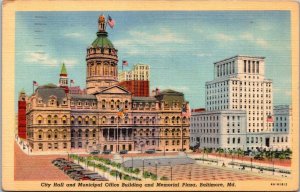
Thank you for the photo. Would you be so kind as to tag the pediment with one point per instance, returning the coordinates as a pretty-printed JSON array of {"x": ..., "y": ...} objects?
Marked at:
[{"x": 114, "y": 90}]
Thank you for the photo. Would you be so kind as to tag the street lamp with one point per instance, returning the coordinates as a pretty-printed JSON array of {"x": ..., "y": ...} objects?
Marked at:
[
  {"x": 171, "y": 169},
  {"x": 143, "y": 166}
]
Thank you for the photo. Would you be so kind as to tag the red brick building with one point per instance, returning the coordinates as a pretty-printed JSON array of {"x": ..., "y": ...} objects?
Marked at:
[
  {"x": 138, "y": 88},
  {"x": 22, "y": 115}
]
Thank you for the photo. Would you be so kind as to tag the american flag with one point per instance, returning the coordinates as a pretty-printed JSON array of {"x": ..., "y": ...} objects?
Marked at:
[
  {"x": 269, "y": 119},
  {"x": 110, "y": 22},
  {"x": 35, "y": 83},
  {"x": 121, "y": 112},
  {"x": 124, "y": 63}
]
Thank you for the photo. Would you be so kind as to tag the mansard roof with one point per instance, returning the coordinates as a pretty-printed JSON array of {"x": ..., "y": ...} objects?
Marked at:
[
  {"x": 46, "y": 91},
  {"x": 144, "y": 99},
  {"x": 83, "y": 97}
]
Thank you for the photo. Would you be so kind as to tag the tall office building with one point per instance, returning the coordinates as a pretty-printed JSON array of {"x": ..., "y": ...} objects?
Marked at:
[
  {"x": 239, "y": 107},
  {"x": 136, "y": 80},
  {"x": 240, "y": 84}
]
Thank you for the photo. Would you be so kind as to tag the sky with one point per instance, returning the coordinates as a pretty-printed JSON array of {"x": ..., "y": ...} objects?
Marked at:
[{"x": 180, "y": 47}]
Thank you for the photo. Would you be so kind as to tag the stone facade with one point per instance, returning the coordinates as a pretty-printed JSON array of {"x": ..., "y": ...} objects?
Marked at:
[{"x": 58, "y": 120}]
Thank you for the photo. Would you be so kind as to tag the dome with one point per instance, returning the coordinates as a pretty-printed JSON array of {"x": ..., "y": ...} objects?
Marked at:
[{"x": 102, "y": 41}]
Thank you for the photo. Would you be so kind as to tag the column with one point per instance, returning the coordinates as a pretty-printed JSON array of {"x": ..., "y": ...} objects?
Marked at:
[
  {"x": 121, "y": 135},
  {"x": 107, "y": 134},
  {"x": 114, "y": 134}
]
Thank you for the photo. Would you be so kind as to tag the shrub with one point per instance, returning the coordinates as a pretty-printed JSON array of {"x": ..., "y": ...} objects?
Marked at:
[
  {"x": 164, "y": 178},
  {"x": 127, "y": 177}
]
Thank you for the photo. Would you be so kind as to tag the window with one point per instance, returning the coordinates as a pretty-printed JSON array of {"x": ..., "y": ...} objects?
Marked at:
[
  {"x": 64, "y": 119},
  {"x": 72, "y": 120},
  {"x": 40, "y": 119},
  {"x": 79, "y": 120}
]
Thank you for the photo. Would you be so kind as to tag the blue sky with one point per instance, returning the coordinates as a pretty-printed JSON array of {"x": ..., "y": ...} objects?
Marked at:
[{"x": 180, "y": 47}]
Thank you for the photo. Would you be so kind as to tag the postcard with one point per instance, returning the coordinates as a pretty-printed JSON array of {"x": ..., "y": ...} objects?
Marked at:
[{"x": 150, "y": 95}]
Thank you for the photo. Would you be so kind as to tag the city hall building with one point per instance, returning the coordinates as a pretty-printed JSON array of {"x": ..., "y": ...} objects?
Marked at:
[
  {"x": 239, "y": 109},
  {"x": 57, "y": 120}
]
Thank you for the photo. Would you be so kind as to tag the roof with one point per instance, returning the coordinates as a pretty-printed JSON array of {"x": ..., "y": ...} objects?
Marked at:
[
  {"x": 63, "y": 70},
  {"x": 46, "y": 91},
  {"x": 102, "y": 41},
  {"x": 170, "y": 92},
  {"x": 143, "y": 99},
  {"x": 83, "y": 97}
]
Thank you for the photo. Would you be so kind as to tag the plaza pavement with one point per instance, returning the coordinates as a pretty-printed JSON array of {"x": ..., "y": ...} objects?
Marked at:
[{"x": 37, "y": 167}]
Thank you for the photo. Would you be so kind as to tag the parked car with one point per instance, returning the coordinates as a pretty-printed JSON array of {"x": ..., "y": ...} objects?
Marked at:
[
  {"x": 95, "y": 152},
  {"x": 123, "y": 152},
  {"x": 106, "y": 152},
  {"x": 150, "y": 151}
]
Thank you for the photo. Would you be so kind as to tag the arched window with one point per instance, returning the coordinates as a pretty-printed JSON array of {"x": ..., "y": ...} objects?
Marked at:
[
  {"x": 55, "y": 134},
  {"x": 94, "y": 132},
  {"x": 86, "y": 120},
  {"x": 64, "y": 119},
  {"x": 39, "y": 119},
  {"x": 184, "y": 120},
  {"x": 134, "y": 120},
  {"x": 73, "y": 133},
  {"x": 55, "y": 119},
  {"x": 49, "y": 119},
  {"x": 79, "y": 133},
  {"x": 141, "y": 120},
  {"x": 147, "y": 120},
  {"x": 178, "y": 120},
  {"x": 166, "y": 120},
  {"x": 126, "y": 104},
  {"x": 153, "y": 120},
  {"x": 40, "y": 146},
  {"x": 94, "y": 120},
  {"x": 103, "y": 120},
  {"x": 40, "y": 134},
  {"x": 49, "y": 134},
  {"x": 118, "y": 104},
  {"x": 86, "y": 133},
  {"x": 112, "y": 120},
  {"x": 173, "y": 120},
  {"x": 79, "y": 119},
  {"x": 166, "y": 132},
  {"x": 64, "y": 134},
  {"x": 72, "y": 120},
  {"x": 126, "y": 120},
  {"x": 112, "y": 104},
  {"x": 103, "y": 104}
]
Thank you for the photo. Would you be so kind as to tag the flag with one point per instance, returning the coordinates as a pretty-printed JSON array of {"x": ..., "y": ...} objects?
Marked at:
[
  {"x": 72, "y": 81},
  {"x": 124, "y": 63},
  {"x": 122, "y": 113},
  {"x": 110, "y": 22},
  {"x": 35, "y": 83},
  {"x": 269, "y": 119}
]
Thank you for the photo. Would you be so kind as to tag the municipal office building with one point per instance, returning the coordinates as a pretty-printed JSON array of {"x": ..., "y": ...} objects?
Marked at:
[{"x": 55, "y": 119}]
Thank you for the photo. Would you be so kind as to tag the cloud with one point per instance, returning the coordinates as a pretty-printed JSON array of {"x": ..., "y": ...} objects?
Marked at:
[
  {"x": 223, "y": 37},
  {"x": 73, "y": 35},
  {"x": 250, "y": 37},
  {"x": 203, "y": 54},
  {"x": 139, "y": 43},
  {"x": 44, "y": 59}
]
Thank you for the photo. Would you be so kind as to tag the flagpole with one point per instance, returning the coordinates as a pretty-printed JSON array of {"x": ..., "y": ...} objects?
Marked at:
[
  {"x": 32, "y": 88},
  {"x": 181, "y": 132},
  {"x": 117, "y": 134}
]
